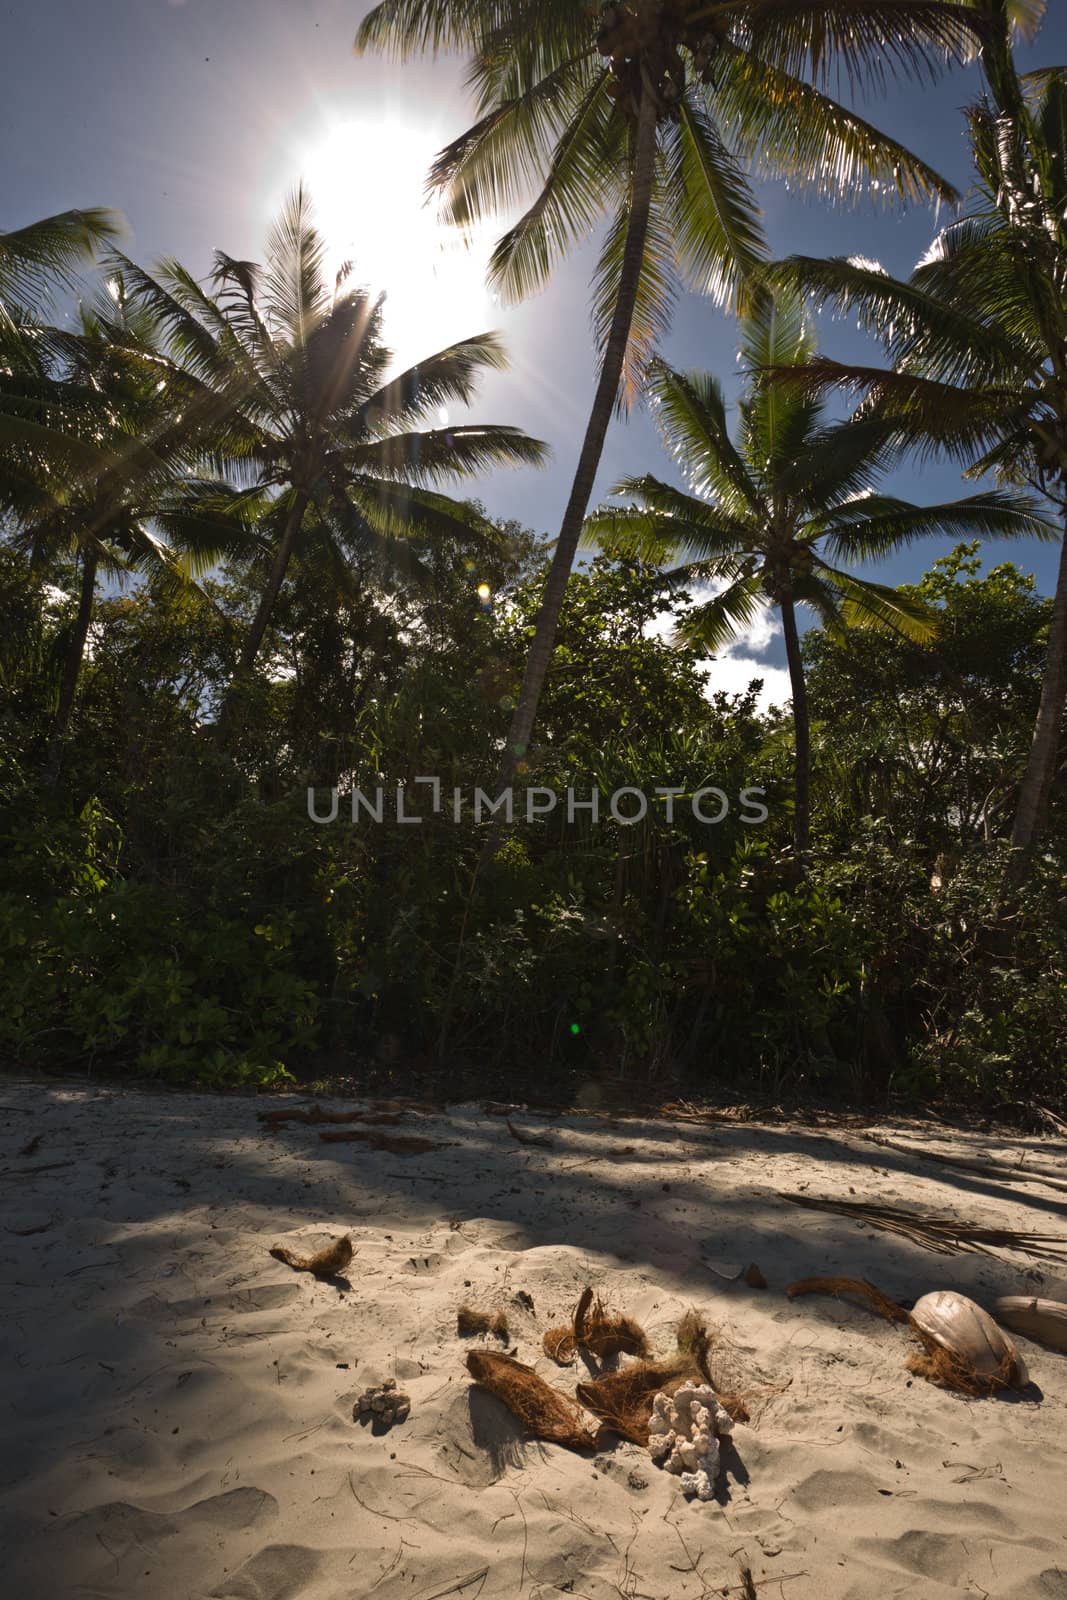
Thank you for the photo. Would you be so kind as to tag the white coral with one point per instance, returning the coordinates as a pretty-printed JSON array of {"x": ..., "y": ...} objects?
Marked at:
[{"x": 683, "y": 1436}]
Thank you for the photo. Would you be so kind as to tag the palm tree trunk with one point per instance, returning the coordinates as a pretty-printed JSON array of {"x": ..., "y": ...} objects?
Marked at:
[
  {"x": 1032, "y": 807},
  {"x": 279, "y": 567},
  {"x": 596, "y": 430},
  {"x": 258, "y": 626},
  {"x": 72, "y": 663},
  {"x": 801, "y": 732}
]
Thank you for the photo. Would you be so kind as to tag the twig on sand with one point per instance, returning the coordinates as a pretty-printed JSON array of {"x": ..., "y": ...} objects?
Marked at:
[
  {"x": 460, "y": 1585},
  {"x": 944, "y": 1235},
  {"x": 525, "y": 1537},
  {"x": 28, "y": 1172},
  {"x": 374, "y": 1511},
  {"x": 748, "y": 1588}
]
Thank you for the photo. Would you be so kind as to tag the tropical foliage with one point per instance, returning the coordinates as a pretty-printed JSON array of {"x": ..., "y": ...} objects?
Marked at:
[
  {"x": 977, "y": 336},
  {"x": 651, "y": 114},
  {"x": 258, "y": 666},
  {"x": 768, "y": 514}
]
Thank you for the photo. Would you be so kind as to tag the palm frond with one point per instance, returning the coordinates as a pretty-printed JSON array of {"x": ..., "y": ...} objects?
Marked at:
[
  {"x": 45, "y": 255},
  {"x": 715, "y": 217},
  {"x": 714, "y": 623},
  {"x": 690, "y": 413},
  {"x": 294, "y": 285},
  {"x": 576, "y": 189},
  {"x": 785, "y": 128},
  {"x": 866, "y": 529},
  {"x": 877, "y": 607},
  {"x": 442, "y": 453},
  {"x": 451, "y": 375},
  {"x": 655, "y": 294}
]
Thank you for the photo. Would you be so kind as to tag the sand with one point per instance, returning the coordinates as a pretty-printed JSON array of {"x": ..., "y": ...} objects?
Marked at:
[{"x": 177, "y": 1405}]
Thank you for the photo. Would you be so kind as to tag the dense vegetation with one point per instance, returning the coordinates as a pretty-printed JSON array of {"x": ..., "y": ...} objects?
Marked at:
[{"x": 232, "y": 584}]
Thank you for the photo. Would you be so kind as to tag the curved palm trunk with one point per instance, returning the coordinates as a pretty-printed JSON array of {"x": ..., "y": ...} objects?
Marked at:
[
  {"x": 279, "y": 567},
  {"x": 1032, "y": 807},
  {"x": 801, "y": 732},
  {"x": 258, "y": 626},
  {"x": 72, "y": 664},
  {"x": 607, "y": 390}
]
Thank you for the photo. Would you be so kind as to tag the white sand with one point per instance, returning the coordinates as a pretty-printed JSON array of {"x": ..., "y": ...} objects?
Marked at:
[{"x": 177, "y": 1406}]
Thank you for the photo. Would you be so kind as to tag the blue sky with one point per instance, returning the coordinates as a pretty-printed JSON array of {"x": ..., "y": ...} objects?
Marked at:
[{"x": 195, "y": 117}]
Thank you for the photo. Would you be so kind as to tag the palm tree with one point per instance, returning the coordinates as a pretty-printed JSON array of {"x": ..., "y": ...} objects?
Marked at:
[
  {"x": 978, "y": 339},
  {"x": 101, "y": 465},
  {"x": 339, "y": 450},
  {"x": 645, "y": 112},
  {"x": 769, "y": 514}
]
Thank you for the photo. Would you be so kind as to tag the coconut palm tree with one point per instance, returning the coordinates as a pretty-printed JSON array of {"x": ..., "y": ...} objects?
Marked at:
[
  {"x": 102, "y": 462},
  {"x": 769, "y": 514},
  {"x": 339, "y": 447},
  {"x": 646, "y": 113},
  {"x": 978, "y": 339}
]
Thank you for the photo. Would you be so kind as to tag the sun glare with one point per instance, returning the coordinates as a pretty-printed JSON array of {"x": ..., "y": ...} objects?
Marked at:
[{"x": 367, "y": 182}]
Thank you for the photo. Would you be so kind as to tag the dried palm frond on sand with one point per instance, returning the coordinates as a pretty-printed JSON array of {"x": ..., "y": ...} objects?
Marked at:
[
  {"x": 945, "y": 1235},
  {"x": 594, "y": 1330},
  {"x": 542, "y": 1410},
  {"x": 327, "y": 1263}
]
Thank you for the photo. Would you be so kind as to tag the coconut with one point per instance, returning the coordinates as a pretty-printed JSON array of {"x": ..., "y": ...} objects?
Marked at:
[
  {"x": 969, "y": 1334},
  {"x": 1043, "y": 1320}
]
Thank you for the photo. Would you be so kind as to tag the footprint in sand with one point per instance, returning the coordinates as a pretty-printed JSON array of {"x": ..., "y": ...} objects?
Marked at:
[
  {"x": 267, "y": 1297},
  {"x": 280, "y": 1572}
]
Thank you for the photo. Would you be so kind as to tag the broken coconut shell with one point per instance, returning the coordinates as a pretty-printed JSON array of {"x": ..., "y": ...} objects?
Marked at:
[
  {"x": 1042, "y": 1320},
  {"x": 970, "y": 1336}
]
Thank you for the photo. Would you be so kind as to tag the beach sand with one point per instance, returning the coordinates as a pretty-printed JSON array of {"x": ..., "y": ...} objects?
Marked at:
[{"x": 177, "y": 1406}]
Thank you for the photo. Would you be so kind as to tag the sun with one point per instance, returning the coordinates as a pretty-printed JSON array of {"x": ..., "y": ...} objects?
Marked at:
[{"x": 368, "y": 185}]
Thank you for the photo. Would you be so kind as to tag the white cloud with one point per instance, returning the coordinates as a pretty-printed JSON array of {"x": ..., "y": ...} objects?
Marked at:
[
  {"x": 732, "y": 674},
  {"x": 736, "y": 664}
]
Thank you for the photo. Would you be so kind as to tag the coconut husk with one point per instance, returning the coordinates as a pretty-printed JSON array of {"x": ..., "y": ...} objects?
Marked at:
[
  {"x": 941, "y": 1361},
  {"x": 1043, "y": 1320},
  {"x": 950, "y": 1370},
  {"x": 964, "y": 1348},
  {"x": 871, "y": 1297},
  {"x": 327, "y": 1263},
  {"x": 542, "y": 1410},
  {"x": 469, "y": 1321},
  {"x": 623, "y": 1400},
  {"x": 592, "y": 1329}
]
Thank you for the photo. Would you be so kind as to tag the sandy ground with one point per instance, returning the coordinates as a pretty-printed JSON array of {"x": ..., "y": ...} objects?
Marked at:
[{"x": 177, "y": 1406}]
